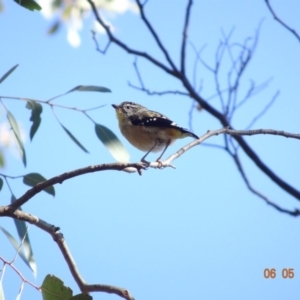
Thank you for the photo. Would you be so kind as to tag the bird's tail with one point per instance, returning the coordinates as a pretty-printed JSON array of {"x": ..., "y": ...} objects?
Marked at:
[{"x": 186, "y": 132}]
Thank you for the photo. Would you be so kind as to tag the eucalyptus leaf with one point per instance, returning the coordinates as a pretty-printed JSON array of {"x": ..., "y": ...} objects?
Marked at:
[
  {"x": 25, "y": 251},
  {"x": 36, "y": 111},
  {"x": 32, "y": 179},
  {"x": 29, "y": 4},
  {"x": 53, "y": 288},
  {"x": 73, "y": 138},
  {"x": 15, "y": 128},
  {"x": 90, "y": 88},
  {"x": 16, "y": 246},
  {"x": 112, "y": 143},
  {"x": 8, "y": 73},
  {"x": 2, "y": 162},
  {"x": 1, "y": 183}
]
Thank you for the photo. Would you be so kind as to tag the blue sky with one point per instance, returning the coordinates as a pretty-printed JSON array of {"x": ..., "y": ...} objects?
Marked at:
[{"x": 191, "y": 233}]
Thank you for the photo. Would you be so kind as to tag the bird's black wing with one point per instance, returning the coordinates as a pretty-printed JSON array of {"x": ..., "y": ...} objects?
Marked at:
[{"x": 159, "y": 121}]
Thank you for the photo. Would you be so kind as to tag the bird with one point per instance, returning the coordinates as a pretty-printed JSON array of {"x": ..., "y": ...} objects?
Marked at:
[{"x": 148, "y": 130}]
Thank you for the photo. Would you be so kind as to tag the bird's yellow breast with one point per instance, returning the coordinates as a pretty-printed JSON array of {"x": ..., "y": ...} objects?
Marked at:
[{"x": 144, "y": 138}]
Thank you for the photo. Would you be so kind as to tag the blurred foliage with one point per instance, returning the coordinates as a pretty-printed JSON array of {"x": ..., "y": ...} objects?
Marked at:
[{"x": 29, "y": 4}]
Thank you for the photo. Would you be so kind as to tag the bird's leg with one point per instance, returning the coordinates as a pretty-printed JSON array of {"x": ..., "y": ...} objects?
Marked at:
[
  {"x": 143, "y": 158},
  {"x": 158, "y": 160}
]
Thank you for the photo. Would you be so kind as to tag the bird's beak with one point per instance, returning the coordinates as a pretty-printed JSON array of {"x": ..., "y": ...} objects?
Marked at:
[{"x": 115, "y": 106}]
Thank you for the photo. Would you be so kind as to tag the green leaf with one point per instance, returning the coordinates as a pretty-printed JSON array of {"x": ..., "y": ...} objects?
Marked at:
[
  {"x": 84, "y": 88},
  {"x": 25, "y": 251},
  {"x": 74, "y": 138},
  {"x": 1, "y": 183},
  {"x": 36, "y": 111},
  {"x": 90, "y": 88},
  {"x": 15, "y": 128},
  {"x": 2, "y": 162},
  {"x": 26, "y": 246},
  {"x": 27, "y": 258},
  {"x": 112, "y": 143},
  {"x": 32, "y": 179},
  {"x": 29, "y": 4},
  {"x": 12, "y": 240},
  {"x": 8, "y": 73},
  {"x": 53, "y": 288}
]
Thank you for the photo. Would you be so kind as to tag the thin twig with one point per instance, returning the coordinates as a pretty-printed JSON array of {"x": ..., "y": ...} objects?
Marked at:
[
  {"x": 263, "y": 131},
  {"x": 281, "y": 22},
  {"x": 253, "y": 90},
  {"x": 10, "y": 263},
  {"x": 162, "y": 93},
  {"x": 155, "y": 36},
  {"x": 147, "y": 91},
  {"x": 52, "y": 104},
  {"x": 264, "y": 110},
  {"x": 218, "y": 57},
  {"x": 294, "y": 213},
  {"x": 185, "y": 34},
  {"x": 125, "y": 47}
]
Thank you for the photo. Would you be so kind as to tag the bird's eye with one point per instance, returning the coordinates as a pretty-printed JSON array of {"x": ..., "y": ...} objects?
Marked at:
[{"x": 127, "y": 107}]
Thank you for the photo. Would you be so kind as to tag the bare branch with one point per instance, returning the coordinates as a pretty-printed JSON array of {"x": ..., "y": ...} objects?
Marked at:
[
  {"x": 243, "y": 61},
  {"x": 155, "y": 36},
  {"x": 10, "y": 263},
  {"x": 51, "y": 104},
  {"x": 60, "y": 241},
  {"x": 198, "y": 56},
  {"x": 191, "y": 116},
  {"x": 184, "y": 35},
  {"x": 142, "y": 87},
  {"x": 137, "y": 71},
  {"x": 97, "y": 44},
  {"x": 294, "y": 213},
  {"x": 206, "y": 106},
  {"x": 244, "y": 145},
  {"x": 68, "y": 175},
  {"x": 137, "y": 167},
  {"x": 113, "y": 39},
  {"x": 218, "y": 57},
  {"x": 263, "y": 131},
  {"x": 266, "y": 108},
  {"x": 222, "y": 131},
  {"x": 281, "y": 22},
  {"x": 253, "y": 90},
  {"x": 162, "y": 93}
]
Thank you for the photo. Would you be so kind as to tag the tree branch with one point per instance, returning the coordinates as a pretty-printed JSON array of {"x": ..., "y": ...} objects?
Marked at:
[
  {"x": 266, "y": 108},
  {"x": 58, "y": 237},
  {"x": 294, "y": 213},
  {"x": 184, "y": 35},
  {"x": 137, "y": 167},
  {"x": 113, "y": 39},
  {"x": 155, "y": 36},
  {"x": 65, "y": 176},
  {"x": 147, "y": 91},
  {"x": 205, "y": 105},
  {"x": 281, "y": 22}
]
